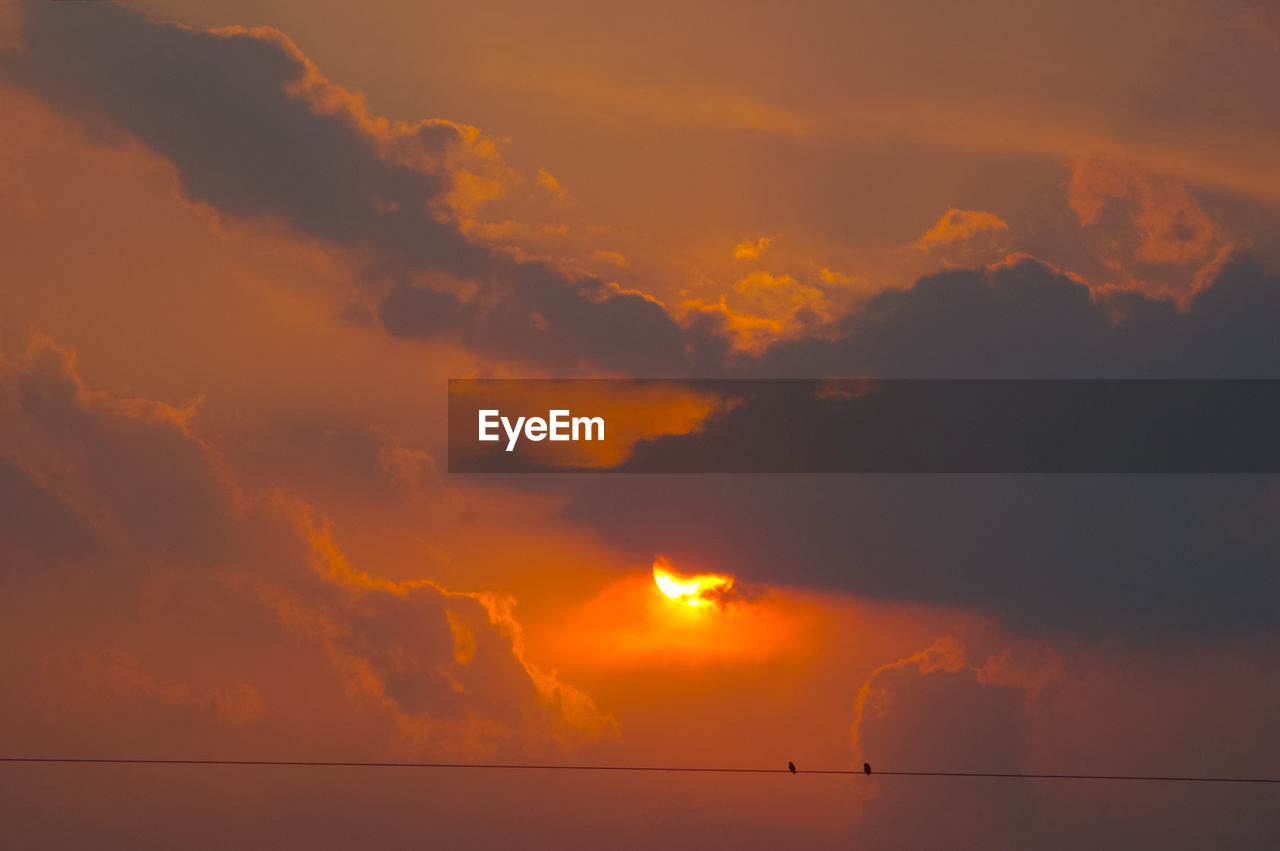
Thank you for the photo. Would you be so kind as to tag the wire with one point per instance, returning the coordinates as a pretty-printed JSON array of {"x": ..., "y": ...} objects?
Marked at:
[{"x": 649, "y": 768}]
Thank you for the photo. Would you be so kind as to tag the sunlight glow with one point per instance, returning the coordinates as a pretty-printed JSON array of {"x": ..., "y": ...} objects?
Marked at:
[{"x": 697, "y": 590}]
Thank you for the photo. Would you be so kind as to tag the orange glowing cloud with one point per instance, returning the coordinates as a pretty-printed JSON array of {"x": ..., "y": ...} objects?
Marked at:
[
  {"x": 945, "y": 654},
  {"x": 959, "y": 225},
  {"x": 548, "y": 182},
  {"x": 763, "y": 308},
  {"x": 749, "y": 250},
  {"x": 575, "y": 706},
  {"x": 477, "y": 170},
  {"x": 1172, "y": 227}
]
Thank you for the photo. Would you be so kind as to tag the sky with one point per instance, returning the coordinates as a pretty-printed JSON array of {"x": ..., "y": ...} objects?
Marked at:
[{"x": 244, "y": 246}]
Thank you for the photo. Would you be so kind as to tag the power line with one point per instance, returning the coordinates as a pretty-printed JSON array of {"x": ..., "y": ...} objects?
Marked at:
[
  {"x": 632, "y": 768},
  {"x": 1026, "y": 776}
]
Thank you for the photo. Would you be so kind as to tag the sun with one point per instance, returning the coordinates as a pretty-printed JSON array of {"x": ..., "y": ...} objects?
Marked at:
[{"x": 696, "y": 590}]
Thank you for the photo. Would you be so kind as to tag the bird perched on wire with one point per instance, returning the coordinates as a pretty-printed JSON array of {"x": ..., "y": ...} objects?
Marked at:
[
  {"x": 866, "y": 768},
  {"x": 792, "y": 766}
]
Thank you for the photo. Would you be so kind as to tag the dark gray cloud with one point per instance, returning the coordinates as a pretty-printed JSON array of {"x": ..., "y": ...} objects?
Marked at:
[
  {"x": 162, "y": 487},
  {"x": 1149, "y": 555},
  {"x": 531, "y": 312},
  {"x": 1023, "y": 319},
  {"x": 221, "y": 107},
  {"x": 33, "y": 518},
  {"x": 228, "y": 110},
  {"x": 1028, "y": 320}
]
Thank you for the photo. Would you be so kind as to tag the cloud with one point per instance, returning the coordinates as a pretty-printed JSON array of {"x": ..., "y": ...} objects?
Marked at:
[
  {"x": 1150, "y": 555},
  {"x": 1172, "y": 228},
  {"x": 550, "y": 184},
  {"x": 751, "y": 250},
  {"x": 170, "y": 523},
  {"x": 931, "y": 712},
  {"x": 428, "y": 652},
  {"x": 1024, "y": 318},
  {"x": 958, "y": 226},
  {"x": 81, "y": 684},
  {"x": 534, "y": 314},
  {"x": 710, "y": 109},
  {"x": 945, "y": 654},
  {"x": 255, "y": 131},
  {"x": 611, "y": 257},
  {"x": 1029, "y": 709},
  {"x": 252, "y": 127},
  {"x": 130, "y": 467},
  {"x": 33, "y": 518},
  {"x": 763, "y": 308},
  {"x": 1179, "y": 555},
  {"x": 981, "y": 728}
]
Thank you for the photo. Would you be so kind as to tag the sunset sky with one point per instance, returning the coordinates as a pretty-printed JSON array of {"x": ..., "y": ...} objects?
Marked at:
[{"x": 244, "y": 245}]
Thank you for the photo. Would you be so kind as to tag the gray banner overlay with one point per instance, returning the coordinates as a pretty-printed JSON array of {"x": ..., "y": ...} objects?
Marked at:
[{"x": 869, "y": 426}]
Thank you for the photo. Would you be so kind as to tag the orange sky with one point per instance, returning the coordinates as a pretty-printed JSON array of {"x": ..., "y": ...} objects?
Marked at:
[{"x": 234, "y": 288}]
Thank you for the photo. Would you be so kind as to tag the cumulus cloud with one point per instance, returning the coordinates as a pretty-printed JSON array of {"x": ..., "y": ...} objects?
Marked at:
[
  {"x": 130, "y": 467},
  {"x": 254, "y": 130},
  {"x": 1172, "y": 227},
  {"x": 533, "y": 314},
  {"x": 252, "y": 127},
  {"x": 1024, "y": 318},
  {"x": 930, "y": 712},
  {"x": 763, "y": 308},
  {"x": 1155, "y": 555},
  {"x": 161, "y": 516},
  {"x": 429, "y": 652},
  {"x": 1029, "y": 709},
  {"x": 945, "y": 654}
]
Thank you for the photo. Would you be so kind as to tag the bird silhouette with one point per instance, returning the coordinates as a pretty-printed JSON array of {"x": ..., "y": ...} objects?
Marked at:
[
  {"x": 792, "y": 766},
  {"x": 866, "y": 768}
]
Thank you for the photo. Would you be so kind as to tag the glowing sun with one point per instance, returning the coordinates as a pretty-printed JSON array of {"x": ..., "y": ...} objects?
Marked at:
[{"x": 693, "y": 590}]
